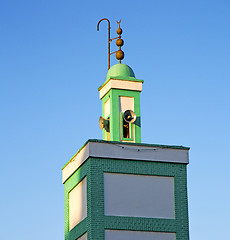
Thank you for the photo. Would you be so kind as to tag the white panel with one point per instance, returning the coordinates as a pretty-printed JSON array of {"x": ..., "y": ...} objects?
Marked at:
[
  {"x": 107, "y": 108},
  {"x": 78, "y": 204},
  {"x": 139, "y": 195},
  {"x": 138, "y": 235},
  {"x": 126, "y": 103},
  {"x": 120, "y": 84},
  {"x": 138, "y": 152},
  {"x": 123, "y": 151},
  {"x": 83, "y": 237}
]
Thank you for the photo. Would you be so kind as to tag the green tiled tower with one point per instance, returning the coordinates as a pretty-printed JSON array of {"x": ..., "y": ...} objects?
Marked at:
[{"x": 119, "y": 188}]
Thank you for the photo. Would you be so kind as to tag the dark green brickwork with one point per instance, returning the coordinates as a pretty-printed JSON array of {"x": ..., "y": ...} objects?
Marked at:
[{"x": 96, "y": 223}]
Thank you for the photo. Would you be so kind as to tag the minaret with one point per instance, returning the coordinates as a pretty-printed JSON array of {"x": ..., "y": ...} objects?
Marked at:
[
  {"x": 119, "y": 188},
  {"x": 120, "y": 95}
]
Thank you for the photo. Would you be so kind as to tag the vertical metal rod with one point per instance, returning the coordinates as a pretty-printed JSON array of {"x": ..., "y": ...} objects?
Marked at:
[{"x": 108, "y": 38}]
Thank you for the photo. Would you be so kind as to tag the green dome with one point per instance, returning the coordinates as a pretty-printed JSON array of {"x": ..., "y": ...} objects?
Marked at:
[{"x": 120, "y": 71}]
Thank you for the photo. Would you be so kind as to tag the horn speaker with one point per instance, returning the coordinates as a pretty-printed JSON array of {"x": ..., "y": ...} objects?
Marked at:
[
  {"x": 129, "y": 116},
  {"x": 104, "y": 123}
]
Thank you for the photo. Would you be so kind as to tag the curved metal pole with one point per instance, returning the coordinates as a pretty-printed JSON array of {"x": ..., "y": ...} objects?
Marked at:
[{"x": 108, "y": 38}]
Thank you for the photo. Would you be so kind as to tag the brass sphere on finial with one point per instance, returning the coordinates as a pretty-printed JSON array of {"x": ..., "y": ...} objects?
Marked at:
[
  {"x": 120, "y": 55},
  {"x": 119, "y": 42},
  {"x": 119, "y": 31}
]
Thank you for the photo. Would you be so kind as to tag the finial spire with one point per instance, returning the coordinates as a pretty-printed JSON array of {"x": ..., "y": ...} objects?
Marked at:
[{"x": 119, "y": 54}]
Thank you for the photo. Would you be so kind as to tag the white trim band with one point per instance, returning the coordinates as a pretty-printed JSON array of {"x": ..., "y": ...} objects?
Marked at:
[
  {"x": 120, "y": 84},
  {"x": 125, "y": 152}
]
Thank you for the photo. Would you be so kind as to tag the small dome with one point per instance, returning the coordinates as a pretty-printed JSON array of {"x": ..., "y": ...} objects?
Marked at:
[{"x": 120, "y": 70}]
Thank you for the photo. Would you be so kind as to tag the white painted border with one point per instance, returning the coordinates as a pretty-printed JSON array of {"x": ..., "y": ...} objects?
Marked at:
[
  {"x": 122, "y": 151},
  {"x": 120, "y": 84},
  {"x": 75, "y": 163}
]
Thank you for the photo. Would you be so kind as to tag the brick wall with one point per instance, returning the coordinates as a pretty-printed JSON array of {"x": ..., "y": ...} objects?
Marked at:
[{"x": 96, "y": 223}]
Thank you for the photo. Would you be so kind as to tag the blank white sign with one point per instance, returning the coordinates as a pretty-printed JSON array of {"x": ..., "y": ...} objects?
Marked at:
[
  {"x": 77, "y": 204},
  {"x": 138, "y": 235},
  {"x": 139, "y": 195}
]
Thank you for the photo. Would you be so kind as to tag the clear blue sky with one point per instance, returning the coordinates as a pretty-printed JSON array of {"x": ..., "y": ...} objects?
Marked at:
[{"x": 52, "y": 60}]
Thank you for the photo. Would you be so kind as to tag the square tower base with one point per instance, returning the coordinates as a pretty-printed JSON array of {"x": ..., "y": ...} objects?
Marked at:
[{"x": 126, "y": 191}]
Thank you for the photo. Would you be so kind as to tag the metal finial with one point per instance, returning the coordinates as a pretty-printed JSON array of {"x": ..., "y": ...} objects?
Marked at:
[{"x": 119, "y": 54}]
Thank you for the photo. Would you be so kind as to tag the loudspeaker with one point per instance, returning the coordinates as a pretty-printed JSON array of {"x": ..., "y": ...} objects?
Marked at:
[
  {"x": 129, "y": 116},
  {"x": 104, "y": 123}
]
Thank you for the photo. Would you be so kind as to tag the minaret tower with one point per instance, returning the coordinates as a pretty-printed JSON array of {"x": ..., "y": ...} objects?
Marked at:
[
  {"x": 120, "y": 95},
  {"x": 119, "y": 188}
]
